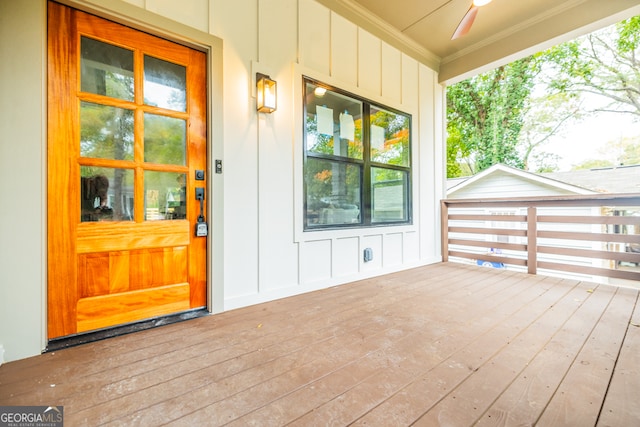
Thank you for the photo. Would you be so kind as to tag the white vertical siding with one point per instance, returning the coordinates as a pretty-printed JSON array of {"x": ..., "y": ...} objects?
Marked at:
[
  {"x": 391, "y": 73},
  {"x": 241, "y": 162},
  {"x": 428, "y": 191},
  {"x": 316, "y": 261},
  {"x": 410, "y": 84},
  {"x": 278, "y": 264},
  {"x": 393, "y": 250},
  {"x": 411, "y": 248},
  {"x": 344, "y": 50},
  {"x": 22, "y": 178},
  {"x": 369, "y": 63},
  {"x": 193, "y": 13},
  {"x": 315, "y": 36},
  {"x": 344, "y": 261}
]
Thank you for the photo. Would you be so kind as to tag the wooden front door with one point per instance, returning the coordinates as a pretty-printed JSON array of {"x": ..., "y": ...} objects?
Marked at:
[{"x": 126, "y": 156}]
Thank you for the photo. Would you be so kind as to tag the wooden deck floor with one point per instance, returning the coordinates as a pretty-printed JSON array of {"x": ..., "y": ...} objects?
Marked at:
[{"x": 443, "y": 345}]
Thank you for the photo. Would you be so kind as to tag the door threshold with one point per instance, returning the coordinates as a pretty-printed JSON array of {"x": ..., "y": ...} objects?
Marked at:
[{"x": 88, "y": 337}]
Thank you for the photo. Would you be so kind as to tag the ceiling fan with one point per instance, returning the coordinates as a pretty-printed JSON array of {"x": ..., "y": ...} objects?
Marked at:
[{"x": 465, "y": 25}]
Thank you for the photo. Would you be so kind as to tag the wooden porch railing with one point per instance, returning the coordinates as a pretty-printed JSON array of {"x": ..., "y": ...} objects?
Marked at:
[{"x": 596, "y": 235}]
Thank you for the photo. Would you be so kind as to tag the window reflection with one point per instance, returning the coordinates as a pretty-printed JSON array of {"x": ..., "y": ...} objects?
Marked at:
[
  {"x": 165, "y": 84},
  {"x": 389, "y": 137},
  {"x": 106, "y": 194},
  {"x": 164, "y": 139},
  {"x": 333, "y": 123},
  {"x": 164, "y": 196},
  {"x": 333, "y": 193},
  {"x": 106, "y": 69},
  {"x": 388, "y": 195},
  {"x": 106, "y": 132}
]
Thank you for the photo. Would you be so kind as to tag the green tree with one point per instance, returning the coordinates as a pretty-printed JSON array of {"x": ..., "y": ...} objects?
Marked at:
[
  {"x": 495, "y": 117},
  {"x": 605, "y": 63},
  {"x": 544, "y": 117},
  {"x": 485, "y": 115}
]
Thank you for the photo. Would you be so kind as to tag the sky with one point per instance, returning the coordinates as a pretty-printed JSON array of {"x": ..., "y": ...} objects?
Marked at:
[{"x": 582, "y": 141}]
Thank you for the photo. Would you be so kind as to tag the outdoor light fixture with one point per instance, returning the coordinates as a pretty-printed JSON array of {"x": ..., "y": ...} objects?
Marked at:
[{"x": 265, "y": 94}]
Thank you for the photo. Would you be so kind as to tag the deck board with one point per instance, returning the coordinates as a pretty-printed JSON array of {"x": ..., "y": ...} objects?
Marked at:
[
  {"x": 525, "y": 398},
  {"x": 619, "y": 409},
  {"x": 446, "y": 344},
  {"x": 591, "y": 370}
]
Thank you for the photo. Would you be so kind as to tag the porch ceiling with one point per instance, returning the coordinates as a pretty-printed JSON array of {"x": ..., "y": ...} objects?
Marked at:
[{"x": 502, "y": 29}]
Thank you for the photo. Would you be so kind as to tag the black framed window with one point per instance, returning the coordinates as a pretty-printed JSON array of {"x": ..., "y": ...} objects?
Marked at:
[{"x": 357, "y": 161}]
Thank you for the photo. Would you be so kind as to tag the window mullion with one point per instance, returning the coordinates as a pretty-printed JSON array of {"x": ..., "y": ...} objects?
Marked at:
[{"x": 366, "y": 166}]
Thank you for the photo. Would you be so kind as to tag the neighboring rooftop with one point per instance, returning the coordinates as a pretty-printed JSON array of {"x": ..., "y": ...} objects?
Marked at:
[{"x": 620, "y": 179}]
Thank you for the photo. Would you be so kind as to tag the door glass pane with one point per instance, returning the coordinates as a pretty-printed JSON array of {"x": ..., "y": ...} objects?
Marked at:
[
  {"x": 106, "y": 132},
  {"x": 389, "y": 137},
  {"x": 164, "y": 195},
  {"x": 106, "y": 194},
  {"x": 388, "y": 195},
  {"x": 165, "y": 84},
  {"x": 106, "y": 69},
  {"x": 333, "y": 123},
  {"x": 164, "y": 139},
  {"x": 333, "y": 193}
]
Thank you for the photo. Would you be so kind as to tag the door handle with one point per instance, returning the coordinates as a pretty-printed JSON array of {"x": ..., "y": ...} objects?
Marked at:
[{"x": 201, "y": 225}]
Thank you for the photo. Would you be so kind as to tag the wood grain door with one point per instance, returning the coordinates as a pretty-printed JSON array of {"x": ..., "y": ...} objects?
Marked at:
[{"x": 126, "y": 153}]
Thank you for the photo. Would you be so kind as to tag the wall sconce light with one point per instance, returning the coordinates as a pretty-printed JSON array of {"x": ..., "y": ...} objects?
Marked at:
[{"x": 266, "y": 98}]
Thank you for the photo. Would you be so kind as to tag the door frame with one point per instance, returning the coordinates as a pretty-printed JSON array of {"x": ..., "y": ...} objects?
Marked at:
[{"x": 143, "y": 20}]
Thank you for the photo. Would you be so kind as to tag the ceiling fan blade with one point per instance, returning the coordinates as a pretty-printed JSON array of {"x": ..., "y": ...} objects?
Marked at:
[{"x": 465, "y": 25}]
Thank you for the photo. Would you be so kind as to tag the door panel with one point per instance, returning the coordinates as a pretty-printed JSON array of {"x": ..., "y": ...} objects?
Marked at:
[
  {"x": 117, "y": 309},
  {"x": 126, "y": 132}
]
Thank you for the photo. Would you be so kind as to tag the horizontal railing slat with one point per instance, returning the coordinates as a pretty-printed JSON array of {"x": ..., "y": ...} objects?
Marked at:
[
  {"x": 595, "y": 271},
  {"x": 608, "y": 255},
  {"x": 479, "y": 230},
  {"x": 487, "y": 244},
  {"x": 599, "y": 220},
  {"x": 470, "y": 217},
  {"x": 597, "y": 237},
  {"x": 492, "y": 258}
]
